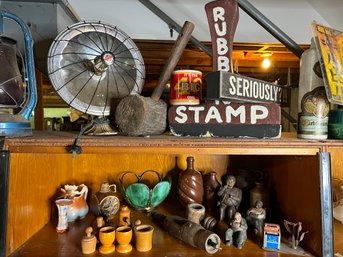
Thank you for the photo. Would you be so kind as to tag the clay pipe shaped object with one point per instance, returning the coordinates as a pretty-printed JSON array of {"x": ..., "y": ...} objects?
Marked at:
[
  {"x": 144, "y": 116},
  {"x": 187, "y": 231}
]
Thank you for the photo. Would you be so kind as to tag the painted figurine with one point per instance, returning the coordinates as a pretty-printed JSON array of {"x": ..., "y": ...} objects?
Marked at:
[
  {"x": 229, "y": 198},
  {"x": 256, "y": 216},
  {"x": 237, "y": 232}
]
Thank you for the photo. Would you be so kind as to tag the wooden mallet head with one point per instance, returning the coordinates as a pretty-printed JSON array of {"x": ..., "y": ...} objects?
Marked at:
[{"x": 137, "y": 115}]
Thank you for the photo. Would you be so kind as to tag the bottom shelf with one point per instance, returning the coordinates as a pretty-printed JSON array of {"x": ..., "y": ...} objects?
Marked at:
[{"x": 48, "y": 243}]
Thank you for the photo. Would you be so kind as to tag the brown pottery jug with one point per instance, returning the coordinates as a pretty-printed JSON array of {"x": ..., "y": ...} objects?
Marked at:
[{"x": 190, "y": 184}]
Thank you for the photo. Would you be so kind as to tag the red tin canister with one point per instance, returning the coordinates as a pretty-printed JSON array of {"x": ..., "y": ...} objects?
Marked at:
[{"x": 185, "y": 87}]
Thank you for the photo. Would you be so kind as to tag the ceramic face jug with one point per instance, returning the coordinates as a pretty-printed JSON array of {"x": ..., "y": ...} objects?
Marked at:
[{"x": 78, "y": 194}]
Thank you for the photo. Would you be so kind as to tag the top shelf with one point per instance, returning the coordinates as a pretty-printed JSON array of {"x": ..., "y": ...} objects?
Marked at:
[{"x": 56, "y": 142}]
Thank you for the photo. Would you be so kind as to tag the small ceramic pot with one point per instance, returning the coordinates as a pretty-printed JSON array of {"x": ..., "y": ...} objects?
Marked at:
[
  {"x": 211, "y": 185},
  {"x": 106, "y": 238},
  {"x": 143, "y": 235},
  {"x": 123, "y": 237}
]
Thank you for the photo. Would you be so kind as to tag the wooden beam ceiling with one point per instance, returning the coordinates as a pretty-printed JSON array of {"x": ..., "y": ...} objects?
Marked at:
[{"x": 247, "y": 60}]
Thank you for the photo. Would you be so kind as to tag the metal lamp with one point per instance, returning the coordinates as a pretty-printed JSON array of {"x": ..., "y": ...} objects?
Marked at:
[{"x": 11, "y": 85}]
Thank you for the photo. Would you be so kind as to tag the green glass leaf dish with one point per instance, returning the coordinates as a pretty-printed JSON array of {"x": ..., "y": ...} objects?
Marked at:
[{"x": 140, "y": 196}]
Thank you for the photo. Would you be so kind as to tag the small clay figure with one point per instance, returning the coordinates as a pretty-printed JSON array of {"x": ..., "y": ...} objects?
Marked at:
[
  {"x": 237, "y": 232},
  {"x": 256, "y": 216},
  {"x": 229, "y": 199}
]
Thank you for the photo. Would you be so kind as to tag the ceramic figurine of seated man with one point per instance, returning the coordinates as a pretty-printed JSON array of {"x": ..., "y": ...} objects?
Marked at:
[
  {"x": 237, "y": 232},
  {"x": 229, "y": 199},
  {"x": 256, "y": 216}
]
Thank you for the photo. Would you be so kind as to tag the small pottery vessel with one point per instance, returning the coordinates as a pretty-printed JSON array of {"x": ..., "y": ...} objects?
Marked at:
[
  {"x": 123, "y": 237},
  {"x": 139, "y": 195},
  {"x": 78, "y": 194},
  {"x": 106, "y": 238},
  {"x": 190, "y": 187},
  {"x": 105, "y": 202},
  {"x": 261, "y": 193},
  {"x": 143, "y": 235},
  {"x": 88, "y": 242},
  {"x": 63, "y": 206},
  {"x": 195, "y": 212},
  {"x": 211, "y": 185}
]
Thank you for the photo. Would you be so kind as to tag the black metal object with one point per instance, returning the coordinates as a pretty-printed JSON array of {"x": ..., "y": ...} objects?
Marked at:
[
  {"x": 326, "y": 204},
  {"x": 172, "y": 24},
  {"x": 270, "y": 27},
  {"x": 4, "y": 174},
  {"x": 250, "y": 10},
  {"x": 2, "y": 141}
]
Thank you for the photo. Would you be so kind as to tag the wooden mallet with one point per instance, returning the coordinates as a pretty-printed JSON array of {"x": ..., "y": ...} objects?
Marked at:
[{"x": 137, "y": 115}]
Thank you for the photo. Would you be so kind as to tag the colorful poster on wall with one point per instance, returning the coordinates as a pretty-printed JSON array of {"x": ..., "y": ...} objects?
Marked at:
[{"x": 329, "y": 43}]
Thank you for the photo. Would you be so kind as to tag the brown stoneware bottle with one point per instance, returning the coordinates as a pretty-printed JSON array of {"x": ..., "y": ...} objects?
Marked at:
[
  {"x": 190, "y": 187},
  {"x": 211, "y": 185}
]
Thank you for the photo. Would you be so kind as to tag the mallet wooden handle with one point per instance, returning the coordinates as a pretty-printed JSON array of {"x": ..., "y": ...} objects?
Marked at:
[{"x": 173, "y": 59}]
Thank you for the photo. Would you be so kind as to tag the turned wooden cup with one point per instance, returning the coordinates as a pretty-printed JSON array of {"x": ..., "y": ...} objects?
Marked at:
[
  {"x": 106, "y": 238},
  {"x": 143, "y": 235},
  {"x": 123, "y": 237}
]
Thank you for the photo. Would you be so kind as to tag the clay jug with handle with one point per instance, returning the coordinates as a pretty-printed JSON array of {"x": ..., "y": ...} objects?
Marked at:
[{"x": 78, "y": 194}]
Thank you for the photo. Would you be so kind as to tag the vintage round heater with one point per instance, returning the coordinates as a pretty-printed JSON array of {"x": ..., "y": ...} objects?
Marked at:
[
  {"x": 16, "y": 92},
  {"x": 92, "y": 66}
]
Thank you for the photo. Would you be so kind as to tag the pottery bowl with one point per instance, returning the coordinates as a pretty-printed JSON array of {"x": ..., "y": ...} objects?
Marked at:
[{"x": 140, "y": 193}]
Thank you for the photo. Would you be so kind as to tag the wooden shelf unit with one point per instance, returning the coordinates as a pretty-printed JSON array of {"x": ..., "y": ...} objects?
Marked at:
[{"x": 299, "y": 173}]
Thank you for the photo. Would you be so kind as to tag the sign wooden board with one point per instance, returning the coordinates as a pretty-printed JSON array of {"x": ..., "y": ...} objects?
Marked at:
[
  {"x": 222, "y": 16},
  {"x": 228, "y": 86},
  {"x": 257, "y": 120}
]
